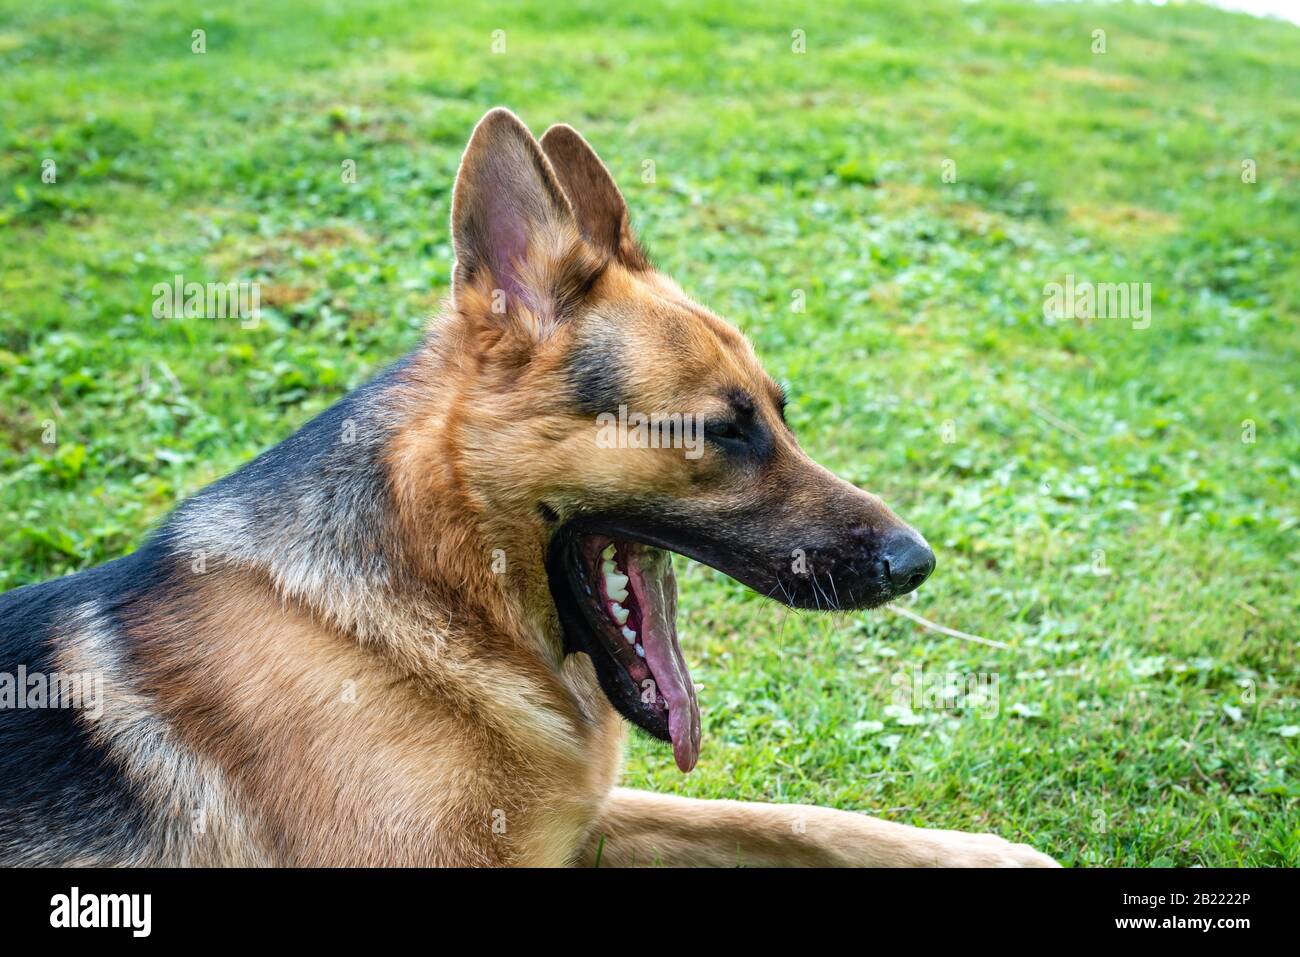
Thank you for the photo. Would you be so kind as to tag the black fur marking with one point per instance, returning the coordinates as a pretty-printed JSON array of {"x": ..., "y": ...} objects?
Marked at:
[
  {"x": 742, "y": 402},
  {"x": 320, "y": 498},
  {"x": 744, "y": 437},
  {"x": 754, "y": 545},
  {"x": 63, "y": 797},
  {"x": 597, "y": 378}
]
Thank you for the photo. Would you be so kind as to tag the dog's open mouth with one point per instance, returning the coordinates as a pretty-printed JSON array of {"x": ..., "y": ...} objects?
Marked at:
[
  {"x": 617, "y": 601},
  {"x": 611, "y": 577}
]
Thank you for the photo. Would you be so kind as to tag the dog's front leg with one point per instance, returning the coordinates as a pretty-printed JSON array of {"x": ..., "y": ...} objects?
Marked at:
[{"x": 637, "y": 828}]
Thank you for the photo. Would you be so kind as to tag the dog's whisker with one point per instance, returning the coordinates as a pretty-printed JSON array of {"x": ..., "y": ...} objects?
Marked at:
[{"x": 818, "y": 589}]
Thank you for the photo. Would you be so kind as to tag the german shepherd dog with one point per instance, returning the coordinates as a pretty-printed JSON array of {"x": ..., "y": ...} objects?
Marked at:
[{"x": 410, "y": 634}]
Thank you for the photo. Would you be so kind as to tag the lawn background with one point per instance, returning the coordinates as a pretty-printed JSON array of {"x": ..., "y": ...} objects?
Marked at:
[{"x": 1085, "y": 485}]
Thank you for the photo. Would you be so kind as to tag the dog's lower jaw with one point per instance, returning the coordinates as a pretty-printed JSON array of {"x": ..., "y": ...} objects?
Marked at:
[{"x": 633, "y": 649}]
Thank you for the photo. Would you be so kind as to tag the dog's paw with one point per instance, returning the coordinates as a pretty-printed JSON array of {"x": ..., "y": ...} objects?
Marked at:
[{"x": 960, "y": 849}]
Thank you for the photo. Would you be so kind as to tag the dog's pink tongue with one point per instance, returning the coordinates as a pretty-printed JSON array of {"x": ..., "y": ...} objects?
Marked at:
[{"x": 651, "y": 573}]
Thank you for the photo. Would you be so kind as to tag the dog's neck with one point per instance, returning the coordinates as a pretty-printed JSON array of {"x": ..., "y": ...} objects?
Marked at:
[
  {"x": 457, "y": 536},
  {"x": 365, "y": 516}
]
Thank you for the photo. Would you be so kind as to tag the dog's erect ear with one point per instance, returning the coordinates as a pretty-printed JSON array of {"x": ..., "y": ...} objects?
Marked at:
[
  {"x": 598, "y": 205},
  {"x": 506, "y": 200}
]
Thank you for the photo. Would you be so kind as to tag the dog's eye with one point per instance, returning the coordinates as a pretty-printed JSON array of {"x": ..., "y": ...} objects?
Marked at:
[{"x": 724, "y": 432}]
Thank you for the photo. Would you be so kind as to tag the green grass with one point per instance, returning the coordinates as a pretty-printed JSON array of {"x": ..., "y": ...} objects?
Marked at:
[{"x": 1149, "y": 715}]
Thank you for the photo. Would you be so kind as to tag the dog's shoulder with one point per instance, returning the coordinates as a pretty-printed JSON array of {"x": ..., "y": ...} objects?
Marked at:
[{"x": 63, "y": 796}]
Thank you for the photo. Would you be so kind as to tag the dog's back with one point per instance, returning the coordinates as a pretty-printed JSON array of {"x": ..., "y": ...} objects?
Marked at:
[{"x": 106, "y": 779}]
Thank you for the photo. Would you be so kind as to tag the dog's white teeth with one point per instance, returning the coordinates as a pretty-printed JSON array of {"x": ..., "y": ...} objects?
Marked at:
[
  {"x": 640, "y": 651},
  {"x": 618, "y": 611},
  {"x": 616, "y": 585},
  {"x": 630, "y": 635},
  {"x": 615, "y": 581}
]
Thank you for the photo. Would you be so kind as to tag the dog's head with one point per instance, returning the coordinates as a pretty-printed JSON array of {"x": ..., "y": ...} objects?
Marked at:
[{"x": 629, "y": 422}]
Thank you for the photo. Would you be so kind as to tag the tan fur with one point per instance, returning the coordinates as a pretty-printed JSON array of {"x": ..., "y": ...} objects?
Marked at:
[
  {"x": 201, "y": 819},
  {"x": 344, "y": 757},
  {"x": 642, "y": 829},
  {"x": 425, "y": 713}
]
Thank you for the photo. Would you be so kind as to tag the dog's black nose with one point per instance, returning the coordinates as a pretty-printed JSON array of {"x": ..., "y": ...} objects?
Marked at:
[{"x": 908, "y": 561}]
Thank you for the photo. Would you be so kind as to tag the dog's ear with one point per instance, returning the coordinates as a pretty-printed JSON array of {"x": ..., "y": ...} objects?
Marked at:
[
  {"x": 507, "y": 207},
  {"x": 597, "y": 204}
]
